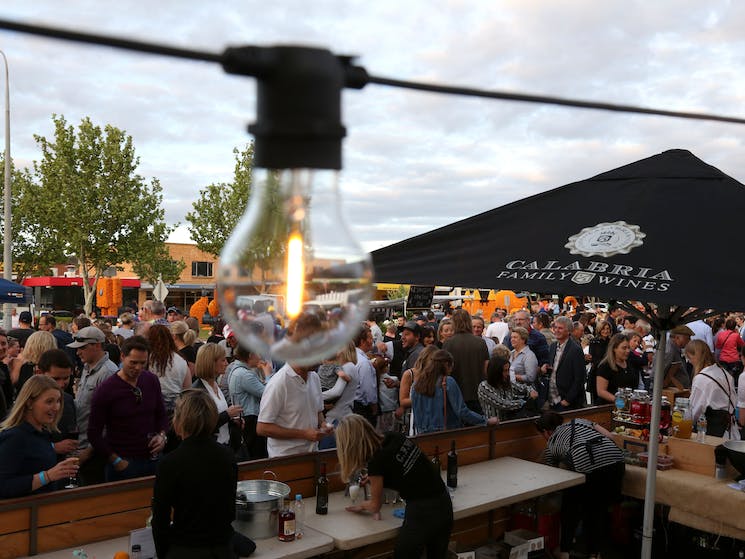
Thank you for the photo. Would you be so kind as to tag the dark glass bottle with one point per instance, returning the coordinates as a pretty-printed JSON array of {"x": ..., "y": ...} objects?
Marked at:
[
  {"x": 322, "y": 491},
  {"x": 436, "y": 461},
  {"x": 286, "y": 524},
  {"x": 452, "y": 477}
]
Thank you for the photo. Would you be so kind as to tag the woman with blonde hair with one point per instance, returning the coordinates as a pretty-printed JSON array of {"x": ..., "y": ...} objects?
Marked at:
[
  {"x": 184, "y": 338},
  {"x": 445, "y": 331},
  {"x": 713, "y": 392},
  {"x": 397, "y": 463},
  {"x": 339, "y": 399},
  {"x": 615, "y": 371},
  {"x": 523, "y": 362},
  {"x": 28, "y": 463},
  {"x": 23, "y": 367},
  {"x": 198, "y": 476},
  {"x": 211, "y": 363}
]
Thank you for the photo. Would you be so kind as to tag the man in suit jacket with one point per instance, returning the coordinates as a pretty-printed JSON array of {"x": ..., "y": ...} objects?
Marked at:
[{"x": 567, "y": 385}]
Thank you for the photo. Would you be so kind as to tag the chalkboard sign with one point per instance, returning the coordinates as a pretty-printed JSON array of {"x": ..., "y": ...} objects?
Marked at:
[{"x": 420, "y": 297}]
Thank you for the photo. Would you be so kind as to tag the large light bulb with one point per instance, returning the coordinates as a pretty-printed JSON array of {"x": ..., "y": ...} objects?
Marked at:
[{"x": 294, "y": 245}]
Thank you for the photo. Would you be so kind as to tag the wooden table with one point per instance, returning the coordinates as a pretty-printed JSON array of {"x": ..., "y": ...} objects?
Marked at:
[
  {"x": 311, "y": 544},
  {"x": 699, "y": 501},
  {"x": 481, "y": 487}
]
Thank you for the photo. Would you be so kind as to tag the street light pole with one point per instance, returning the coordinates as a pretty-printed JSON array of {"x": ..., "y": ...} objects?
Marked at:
[{"x": 7, "y": 257}]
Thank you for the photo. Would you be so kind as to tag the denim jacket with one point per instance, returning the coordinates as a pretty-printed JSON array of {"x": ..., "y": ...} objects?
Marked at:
[{"x": 428, "y": 410}]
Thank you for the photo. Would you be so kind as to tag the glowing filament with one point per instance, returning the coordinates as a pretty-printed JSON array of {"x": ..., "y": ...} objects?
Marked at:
[{"x": 295, "y": 275}]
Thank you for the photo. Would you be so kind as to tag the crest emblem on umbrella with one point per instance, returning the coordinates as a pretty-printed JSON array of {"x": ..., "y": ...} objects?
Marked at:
[
  {"x": 605, "y": 239},
  {"x": 583, "y": 277}
]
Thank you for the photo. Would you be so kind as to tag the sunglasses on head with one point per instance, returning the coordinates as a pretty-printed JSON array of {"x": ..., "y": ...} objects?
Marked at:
[{"x": 138, "y": 394}]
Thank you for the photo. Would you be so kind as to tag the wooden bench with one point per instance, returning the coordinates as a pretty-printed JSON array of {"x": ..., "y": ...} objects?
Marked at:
[{"x": 69, "y": 518}]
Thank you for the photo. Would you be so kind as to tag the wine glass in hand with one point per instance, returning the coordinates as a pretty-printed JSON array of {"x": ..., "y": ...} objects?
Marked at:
[{"x": 72, "y": 481}]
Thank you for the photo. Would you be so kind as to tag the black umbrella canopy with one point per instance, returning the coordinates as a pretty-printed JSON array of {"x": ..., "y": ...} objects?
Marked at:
[{"x": 662, "y": 230}]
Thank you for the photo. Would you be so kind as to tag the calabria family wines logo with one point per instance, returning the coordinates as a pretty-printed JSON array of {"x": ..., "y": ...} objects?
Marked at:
[{"x": 603, "y": 240}]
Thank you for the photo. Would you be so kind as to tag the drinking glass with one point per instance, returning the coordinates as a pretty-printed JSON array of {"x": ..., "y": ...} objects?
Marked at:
[
  {"x": 72, "y": 481},
  {"x": 153, "y": 455},
  {"x": 354, "y": 491}
]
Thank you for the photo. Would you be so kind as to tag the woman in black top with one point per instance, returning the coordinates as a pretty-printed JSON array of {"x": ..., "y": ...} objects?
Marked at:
[
  {"x": 615, "y": 371},
  {"x": 597, "y": 349},
  {"x": 197, "y": 482},
  {"x": 395, "y": 462}
]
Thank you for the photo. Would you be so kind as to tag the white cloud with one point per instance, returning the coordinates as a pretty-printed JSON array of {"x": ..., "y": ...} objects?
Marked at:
[{"x": 413, "y": 160}]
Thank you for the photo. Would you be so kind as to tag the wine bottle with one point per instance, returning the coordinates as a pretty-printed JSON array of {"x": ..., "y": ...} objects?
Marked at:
[
  {"x": 322, "y": 491},
  {"x": 436, "y": 461},
  {"x": 452, "y": 476}
]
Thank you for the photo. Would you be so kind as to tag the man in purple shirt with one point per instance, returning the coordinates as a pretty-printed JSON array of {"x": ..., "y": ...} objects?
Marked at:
[{"x": 128, "y": 420}]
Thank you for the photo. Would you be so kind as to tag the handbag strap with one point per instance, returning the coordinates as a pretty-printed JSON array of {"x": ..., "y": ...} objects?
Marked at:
[
  {"x": 726, "y": 339},
  {"x": 729, "y": 397},
  {"x": 727, "y": 392},
  {"x": 444, "y": 402}
]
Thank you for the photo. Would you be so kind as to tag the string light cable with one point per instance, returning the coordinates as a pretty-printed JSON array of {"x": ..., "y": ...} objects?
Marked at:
[{"x": 253, "y": 61}]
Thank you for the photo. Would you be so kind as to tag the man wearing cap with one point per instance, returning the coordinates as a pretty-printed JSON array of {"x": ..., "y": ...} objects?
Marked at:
[
  {"x": 97, "y": 367},
  {"x": 229, "y": 342},
  {"x": 470, "y": 358},
  {"x": 174, "y": 314},
  {"x": 411, "y": 341},
  {"x": 24, "y": 329},
  {"x": 676, "y": 370}
]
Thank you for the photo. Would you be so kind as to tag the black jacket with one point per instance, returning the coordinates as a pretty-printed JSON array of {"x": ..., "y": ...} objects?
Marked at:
[
  {"x": 570, "y": 373},
  {"x": 197, "y": 481}
]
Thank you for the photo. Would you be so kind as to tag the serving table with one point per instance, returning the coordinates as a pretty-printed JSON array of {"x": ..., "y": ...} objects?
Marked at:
[
  {"x": 696, "y": 500},
  {"x": 310, "y": 545},
  {"x": 481, "y": 487}
]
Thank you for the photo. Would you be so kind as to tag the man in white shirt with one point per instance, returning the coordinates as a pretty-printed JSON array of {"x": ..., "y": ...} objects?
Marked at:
[
  {"x": 377, "y": 333},
  {"x": 702, "y": 331},
  {"x": 291, "y": 412},
  {"x": 498, "y": 328}
]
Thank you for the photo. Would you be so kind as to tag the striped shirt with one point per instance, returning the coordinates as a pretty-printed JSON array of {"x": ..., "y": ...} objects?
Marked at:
[{"x": 590, "y": 450}]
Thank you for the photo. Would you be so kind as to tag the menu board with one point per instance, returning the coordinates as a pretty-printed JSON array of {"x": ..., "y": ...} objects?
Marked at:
[{"x": 420, "y": 297}]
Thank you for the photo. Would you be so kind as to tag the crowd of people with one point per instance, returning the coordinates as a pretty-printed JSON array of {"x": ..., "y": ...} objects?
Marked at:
[{"x": 105, "y": 401}]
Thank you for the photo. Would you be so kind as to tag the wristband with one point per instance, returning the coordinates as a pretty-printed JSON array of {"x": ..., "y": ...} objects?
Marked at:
[
  {"x": 115, "y": 462},
  {"x": 43, "y": 479}
]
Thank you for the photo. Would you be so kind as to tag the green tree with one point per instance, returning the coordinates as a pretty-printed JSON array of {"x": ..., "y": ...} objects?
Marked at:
[
  {"x": 157, "y": 264},
  {"x": 220, "y": 206},
  {"x": 401, "y": 292},
  {"x": 33, "y": 249},
  {"x": 87, "y": 201}
]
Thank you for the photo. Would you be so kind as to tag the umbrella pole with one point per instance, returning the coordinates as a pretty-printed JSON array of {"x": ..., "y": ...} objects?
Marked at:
[{"x": 654, "y": 443}]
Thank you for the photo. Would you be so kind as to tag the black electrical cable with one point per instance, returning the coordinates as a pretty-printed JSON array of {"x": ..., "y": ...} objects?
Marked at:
[
  {"x": 524, "y": 97},
  {"x": 125, "y": 44},
  {"x": 153, "y": 48}
]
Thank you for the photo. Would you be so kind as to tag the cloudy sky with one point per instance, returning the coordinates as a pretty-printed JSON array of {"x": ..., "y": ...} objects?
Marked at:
[{"x": 412, "y": 161}]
